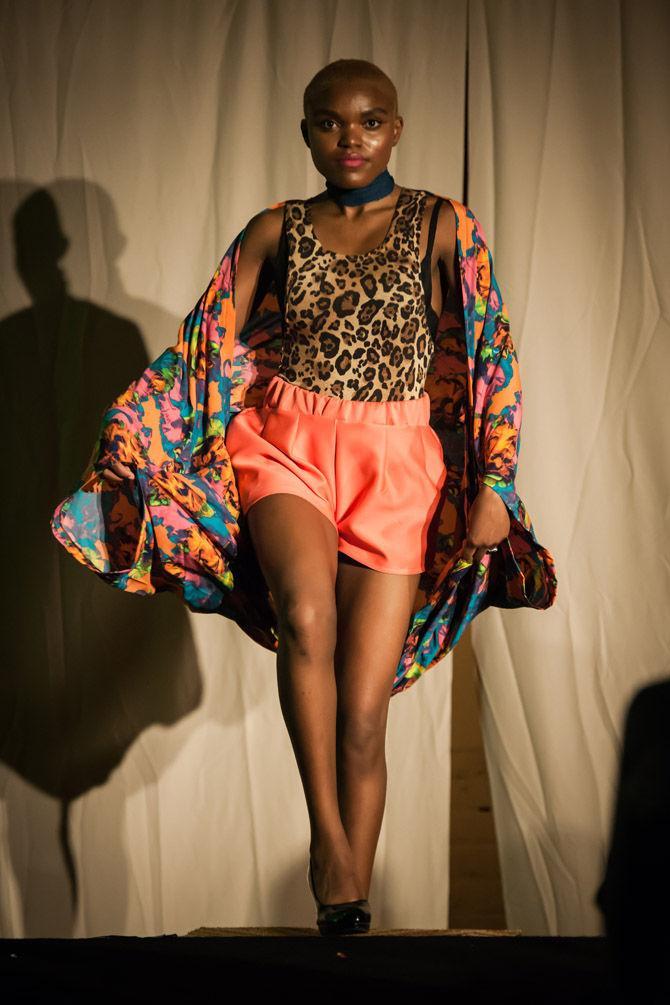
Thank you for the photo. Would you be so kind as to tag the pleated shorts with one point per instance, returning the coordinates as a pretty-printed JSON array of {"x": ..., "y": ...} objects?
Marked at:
[{"x": 375, "y": 469}]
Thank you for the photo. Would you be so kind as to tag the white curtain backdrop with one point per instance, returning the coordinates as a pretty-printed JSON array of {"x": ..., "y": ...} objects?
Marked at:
[
  {"x": 573, "y": 184},
  {"x": 147, "y": 781}
]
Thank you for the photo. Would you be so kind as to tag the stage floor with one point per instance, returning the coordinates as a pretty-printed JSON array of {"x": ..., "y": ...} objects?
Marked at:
[
  {"x": 408, "y": 932},
  {"x": 217, "y": 963}
]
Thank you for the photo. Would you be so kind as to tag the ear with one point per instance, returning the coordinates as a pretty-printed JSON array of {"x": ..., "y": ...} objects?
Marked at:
[{"x": 303, "y": 130}]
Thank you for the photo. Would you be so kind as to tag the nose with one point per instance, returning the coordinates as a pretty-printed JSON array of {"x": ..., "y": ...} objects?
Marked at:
[{"x": 349, "y": 138}]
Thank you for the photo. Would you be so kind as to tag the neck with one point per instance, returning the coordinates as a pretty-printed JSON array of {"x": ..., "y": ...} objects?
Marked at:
[{"x": 376, "y": 189}]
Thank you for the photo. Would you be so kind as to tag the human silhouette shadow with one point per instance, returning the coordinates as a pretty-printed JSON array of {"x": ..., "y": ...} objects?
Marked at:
[
  {"x": 635, "y": 890},
  {"x": 85, "y": 667}
]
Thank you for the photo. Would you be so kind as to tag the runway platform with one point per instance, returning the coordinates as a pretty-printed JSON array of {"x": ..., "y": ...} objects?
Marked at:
[{"x": 220, "y": 964}]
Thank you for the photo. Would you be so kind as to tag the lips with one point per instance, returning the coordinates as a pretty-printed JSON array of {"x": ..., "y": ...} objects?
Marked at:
[{"x": 351, "y": 161}]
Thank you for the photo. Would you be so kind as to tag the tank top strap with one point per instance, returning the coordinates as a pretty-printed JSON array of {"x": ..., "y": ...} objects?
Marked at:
[
  {"x": 431, "y": 230},
  {"x": 295, "y": 219},
  {"x": 281, "y": 257},
  {"x": 414, "y": 216},
  {"x": 405, "y": 228}
]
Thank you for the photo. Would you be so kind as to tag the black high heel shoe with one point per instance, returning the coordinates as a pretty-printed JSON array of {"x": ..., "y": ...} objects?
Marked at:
[{"x": 349, "y": 917}]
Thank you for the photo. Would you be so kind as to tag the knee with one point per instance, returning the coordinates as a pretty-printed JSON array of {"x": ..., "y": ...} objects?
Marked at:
[
  {"x": 308, "y": 625},
  {"x": 362, "y": 733}
]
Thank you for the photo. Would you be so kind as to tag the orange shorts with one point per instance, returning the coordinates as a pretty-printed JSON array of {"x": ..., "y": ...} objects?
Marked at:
[{"x": 375, "y": 469}]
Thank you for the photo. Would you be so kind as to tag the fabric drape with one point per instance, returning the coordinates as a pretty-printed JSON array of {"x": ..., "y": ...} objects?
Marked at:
[{"x": 178, "y": 525}]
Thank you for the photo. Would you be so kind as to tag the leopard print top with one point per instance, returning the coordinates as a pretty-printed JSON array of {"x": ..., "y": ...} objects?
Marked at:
[{"x": 358, "y": 326}]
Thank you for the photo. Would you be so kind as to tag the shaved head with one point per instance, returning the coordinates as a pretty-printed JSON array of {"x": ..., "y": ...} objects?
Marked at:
[{"x": 343, "y": 72}]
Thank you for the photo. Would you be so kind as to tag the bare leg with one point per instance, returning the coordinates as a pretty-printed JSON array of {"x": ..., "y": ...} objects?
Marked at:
[
  {"x": 296, "y": 548},
  {"x": 374, "y": 610}
]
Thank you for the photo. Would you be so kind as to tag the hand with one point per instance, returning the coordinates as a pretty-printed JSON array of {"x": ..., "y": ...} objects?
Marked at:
[
  {"x": 488, "y": 524},
  {"x": 115, "y": 473}
]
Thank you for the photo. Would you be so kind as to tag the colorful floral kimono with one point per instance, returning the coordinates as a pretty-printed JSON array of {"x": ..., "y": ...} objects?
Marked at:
[{"x": 178, "y": 525}]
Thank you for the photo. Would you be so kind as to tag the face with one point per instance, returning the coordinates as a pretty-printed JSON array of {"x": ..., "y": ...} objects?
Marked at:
[{"x": 351, "y": 131}]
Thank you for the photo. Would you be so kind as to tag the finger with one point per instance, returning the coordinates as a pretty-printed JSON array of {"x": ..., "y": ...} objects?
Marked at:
[
  {"x": 110, "y": 477},
  {"x": 122, "y": 469}
]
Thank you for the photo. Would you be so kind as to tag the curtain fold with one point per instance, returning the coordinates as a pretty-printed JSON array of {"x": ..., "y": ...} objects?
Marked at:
[{"x": 571, "y": 183}]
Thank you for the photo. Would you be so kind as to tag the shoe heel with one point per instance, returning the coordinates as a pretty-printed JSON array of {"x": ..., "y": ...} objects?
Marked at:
[{"x": 348, "y": 917}]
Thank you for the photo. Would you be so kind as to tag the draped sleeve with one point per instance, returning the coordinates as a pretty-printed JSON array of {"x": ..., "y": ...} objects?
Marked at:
[
  {"x": 497, "y": 395},
  {"x": 523, "y": 572},
  {"x": 174, "y": 525}
]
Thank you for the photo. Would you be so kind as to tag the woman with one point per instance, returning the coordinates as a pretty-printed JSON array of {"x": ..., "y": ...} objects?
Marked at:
[{"x": 338, "y": 454}]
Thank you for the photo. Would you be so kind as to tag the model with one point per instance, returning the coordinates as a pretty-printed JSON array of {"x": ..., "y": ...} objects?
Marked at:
[{"x": 327, "y": 457}]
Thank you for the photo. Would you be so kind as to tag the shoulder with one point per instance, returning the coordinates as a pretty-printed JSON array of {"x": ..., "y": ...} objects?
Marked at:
[
  {"x": 446, "y": 214},
  {"x": 445, "y": 228},
  {"x": 263, "y": 230}
]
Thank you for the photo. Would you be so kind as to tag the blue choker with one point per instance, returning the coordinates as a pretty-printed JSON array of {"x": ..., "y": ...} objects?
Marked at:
[{"x": 376, "y": 189}]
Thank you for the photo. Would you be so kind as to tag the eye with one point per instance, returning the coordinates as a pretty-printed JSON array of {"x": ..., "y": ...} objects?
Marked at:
[{"x": 324, "y": 123}]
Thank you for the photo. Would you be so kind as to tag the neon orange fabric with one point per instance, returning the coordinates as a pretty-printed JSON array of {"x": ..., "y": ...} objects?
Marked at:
[{"x": 375, "y": 469}]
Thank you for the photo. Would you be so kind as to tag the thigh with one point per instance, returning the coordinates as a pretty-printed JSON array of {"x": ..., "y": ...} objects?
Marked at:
[
  {"x": 296, "y": 547},
  {"x": 373, "y": 615}
]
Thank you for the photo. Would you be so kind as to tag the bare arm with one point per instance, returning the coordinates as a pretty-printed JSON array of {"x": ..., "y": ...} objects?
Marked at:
[{"x": 259, "y": 244}]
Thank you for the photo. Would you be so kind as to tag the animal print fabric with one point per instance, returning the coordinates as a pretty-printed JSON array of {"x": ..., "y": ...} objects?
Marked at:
[{"x": 356, "y": 326}]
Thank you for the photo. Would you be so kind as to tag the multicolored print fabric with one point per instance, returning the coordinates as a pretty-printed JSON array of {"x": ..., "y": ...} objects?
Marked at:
[{"x": 178, "y": 526}]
